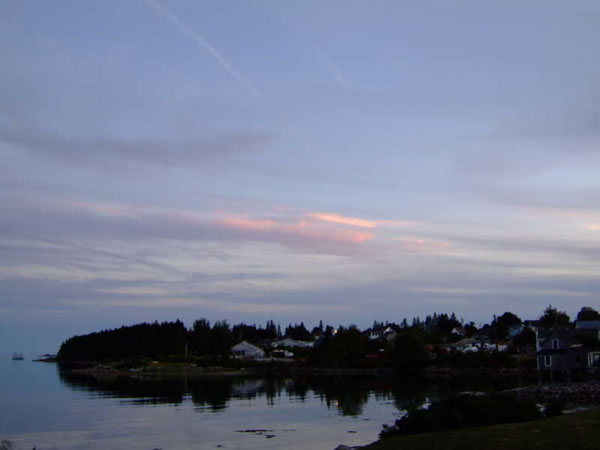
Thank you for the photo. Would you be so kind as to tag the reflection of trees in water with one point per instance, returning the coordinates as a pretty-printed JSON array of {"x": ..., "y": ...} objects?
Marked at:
[
  {"x": 409, "y": 396},
  {"x": 143, "y": 392},
  {"x": 214, "y": 394},
  {"x": 346, "y": 394}
]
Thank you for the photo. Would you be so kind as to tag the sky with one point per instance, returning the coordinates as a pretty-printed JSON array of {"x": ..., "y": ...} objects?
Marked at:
[{"x": 345, "y": 161}]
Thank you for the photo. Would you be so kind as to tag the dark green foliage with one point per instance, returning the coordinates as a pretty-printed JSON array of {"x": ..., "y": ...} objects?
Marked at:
[
  {"x": 346, "y": 348},
  {"x": 243, "y": 332},
  {"x": 464, "y": 410},
  {"x": 501, "y": 324},
  {"x": 200, "y": 337},
  {"x": 553, "y": 318},
  {"x": 220, "y": 339},
  {"x": 588, "y": 313},
  {"x": 298, "y": 332},
  {"x": 471, "y": 329},
  {"x": 409, "y": 351},
  {"x": 251, "y": 333},
  {"x": 150, "y": 340},
  {"x": 526, "y": 338}
]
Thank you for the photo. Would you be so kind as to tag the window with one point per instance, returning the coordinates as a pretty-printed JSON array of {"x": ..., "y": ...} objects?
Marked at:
[
  {"x": 554, "y": 344},
  {"x": 547, "y": 360}
]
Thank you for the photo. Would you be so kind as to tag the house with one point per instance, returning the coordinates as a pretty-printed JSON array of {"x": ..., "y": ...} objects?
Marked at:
[
  {"x": 386, "y": 333},
  {"x": 292, "y": 343},
  {"x": 498, "y": 346},
  {"x": 459, "y": 331},
  {"x": 246, "y": 350},
  {"x": 559, "y": 350},
  {"x": 466, "y": 345},
  {"x": 281, "y": 354}
]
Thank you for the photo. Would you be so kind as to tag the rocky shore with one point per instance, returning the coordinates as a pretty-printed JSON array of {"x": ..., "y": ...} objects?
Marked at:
[{"x": 580, "y": 393}]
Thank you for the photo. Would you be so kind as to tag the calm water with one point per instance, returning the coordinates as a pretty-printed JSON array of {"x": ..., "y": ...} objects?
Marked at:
[{"x": 41, "y": 406}]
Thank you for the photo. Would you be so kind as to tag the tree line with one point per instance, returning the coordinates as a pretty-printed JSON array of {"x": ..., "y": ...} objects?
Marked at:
[{"x": 338, "y": 347}]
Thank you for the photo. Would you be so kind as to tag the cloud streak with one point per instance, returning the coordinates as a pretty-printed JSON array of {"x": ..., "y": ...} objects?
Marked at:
[
  {"x": 353, "y": 221},
  {"x": 357, "y": 221},
  {"x": 188, "y": 31},
  {"x": 86, "y": 219},
  {"x": 112, "y": 152}
]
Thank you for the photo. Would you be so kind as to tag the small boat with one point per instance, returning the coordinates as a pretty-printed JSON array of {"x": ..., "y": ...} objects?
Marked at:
[{"x": 18, "y": 357}]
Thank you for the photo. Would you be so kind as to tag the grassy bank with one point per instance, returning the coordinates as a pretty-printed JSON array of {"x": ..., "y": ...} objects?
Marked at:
[{"x": 571, "y": 431}]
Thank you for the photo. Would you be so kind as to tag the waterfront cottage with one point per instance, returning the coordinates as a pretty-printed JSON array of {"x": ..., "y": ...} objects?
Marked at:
[
  {"x": 559, "y": 350},
  {"x": 246, "y": 350},
  {"x": 293, "y": 343}
]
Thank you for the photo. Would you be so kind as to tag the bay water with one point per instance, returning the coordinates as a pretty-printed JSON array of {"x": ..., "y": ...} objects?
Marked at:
[{"x": 42, "y": 406}]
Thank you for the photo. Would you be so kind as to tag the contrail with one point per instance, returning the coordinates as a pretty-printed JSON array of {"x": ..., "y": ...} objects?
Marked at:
[
  {"x": 186, "y": 29},
  {"x": 330, "y": 66},
  {"x": 323, "y": 59}
]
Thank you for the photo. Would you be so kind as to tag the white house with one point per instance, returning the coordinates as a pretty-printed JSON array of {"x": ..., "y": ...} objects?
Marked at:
[
  {"x": 387, "y": 333},
  {"x": 246, "y": 350},
  {"x": 292, "y": 343}
]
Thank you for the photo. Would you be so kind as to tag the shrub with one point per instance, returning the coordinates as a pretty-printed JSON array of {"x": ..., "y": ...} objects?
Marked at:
[{"x": 464, "y": 410}]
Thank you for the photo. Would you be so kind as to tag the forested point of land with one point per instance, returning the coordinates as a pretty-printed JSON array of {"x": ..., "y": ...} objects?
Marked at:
[{"x": 404, "y": 345}]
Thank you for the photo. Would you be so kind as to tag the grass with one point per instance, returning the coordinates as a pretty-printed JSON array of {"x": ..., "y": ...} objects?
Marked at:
[{"x": 571, "y": 431}]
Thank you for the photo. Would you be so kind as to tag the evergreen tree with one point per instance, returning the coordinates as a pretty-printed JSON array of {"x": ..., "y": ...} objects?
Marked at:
[{"x": 553, "y": 318}]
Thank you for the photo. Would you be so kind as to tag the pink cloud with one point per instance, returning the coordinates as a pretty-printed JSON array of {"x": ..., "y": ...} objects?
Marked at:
[
  {"x": 336, "y": 218},
  {"x": 357, "y": 221},
  {"x": 123, "y": 220},
  {"x": 249, "y": 224},
  {"x": 299, "y": 229},
  {"x": 335, "y": 234},
  {"x": 417, "y": 245}
]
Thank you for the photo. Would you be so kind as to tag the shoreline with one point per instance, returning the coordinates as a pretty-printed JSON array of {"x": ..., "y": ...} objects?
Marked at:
[{"x": 174, "y": 370}]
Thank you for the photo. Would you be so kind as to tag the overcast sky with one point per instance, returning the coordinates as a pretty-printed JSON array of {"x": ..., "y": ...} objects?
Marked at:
[{"x": 336, "y": 160}]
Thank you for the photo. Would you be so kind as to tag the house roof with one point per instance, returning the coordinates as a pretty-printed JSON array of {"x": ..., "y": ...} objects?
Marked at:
[
  {"x": 564, "y": 335},
  {"x": 246, "y": 346},
  {"x": 289, "y": 342},
  {"x": 587, "y": 324}
]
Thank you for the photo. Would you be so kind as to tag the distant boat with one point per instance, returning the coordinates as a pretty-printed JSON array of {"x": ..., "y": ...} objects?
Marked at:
[{"x": 18, "y": 356}]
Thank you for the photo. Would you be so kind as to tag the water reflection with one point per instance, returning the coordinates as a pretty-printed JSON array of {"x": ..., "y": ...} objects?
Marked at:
[
  {"x": 347, "y": 395},
  {"x": 70, "y": 411}
]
